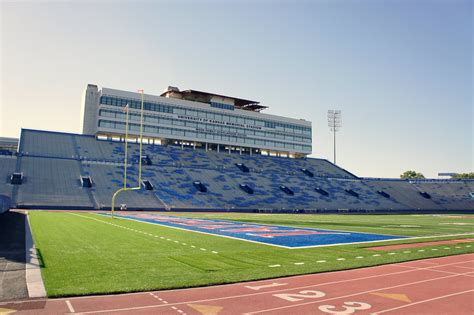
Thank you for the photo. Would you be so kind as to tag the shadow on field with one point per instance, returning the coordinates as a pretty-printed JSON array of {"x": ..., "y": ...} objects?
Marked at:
[
  {"x": 12, "y": 256},
  {"x": 12, "y": 236}
]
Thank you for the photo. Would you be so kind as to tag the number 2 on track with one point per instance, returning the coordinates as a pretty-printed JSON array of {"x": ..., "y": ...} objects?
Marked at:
[{"x": 294, "y": 297}]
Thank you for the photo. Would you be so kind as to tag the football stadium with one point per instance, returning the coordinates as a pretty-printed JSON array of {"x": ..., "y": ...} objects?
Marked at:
[{"x": 192, "y": 202}]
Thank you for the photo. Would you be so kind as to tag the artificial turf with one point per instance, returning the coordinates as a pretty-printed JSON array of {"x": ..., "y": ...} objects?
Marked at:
[{"x": 86, "y": 253}]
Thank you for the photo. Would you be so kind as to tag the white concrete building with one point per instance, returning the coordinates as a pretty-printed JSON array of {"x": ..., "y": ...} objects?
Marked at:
[{"x": 194, "y": 118}]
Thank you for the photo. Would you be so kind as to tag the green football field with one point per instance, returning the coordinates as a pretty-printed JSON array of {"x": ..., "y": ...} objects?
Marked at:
[{"x": 86, "y": 253}]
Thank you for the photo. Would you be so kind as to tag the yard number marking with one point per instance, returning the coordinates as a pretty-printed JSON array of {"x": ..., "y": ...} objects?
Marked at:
[
  {"x": 271, "y": 285},
  {"x": 295, "y": 297},
  {"x": 349, "y": 308}
]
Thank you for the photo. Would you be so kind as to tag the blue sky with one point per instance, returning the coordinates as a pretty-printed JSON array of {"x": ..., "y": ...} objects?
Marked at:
[{"x": 401, "y": 71}]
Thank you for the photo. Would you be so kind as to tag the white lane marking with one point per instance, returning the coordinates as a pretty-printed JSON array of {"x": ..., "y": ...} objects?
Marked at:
[
  {"x": 203, "y": 249},
  {"x": 406, "y": 252},
  {"x": 69, "y": 306},
  {"x": 464, "y": 267},
  {"x": 214, "y": 252},
  {"x": 299, "y": 263},
  {"x": 341, "y": 259},
  {"x": 321, "y": 261},
  {"x": 273, "y": 266},
  {"x": 391, "y": 253},
  {"x": 359, "y": 257},
  {"x": 424, "y": 301},
  {"x": 468, "y": 274},
  {"x": 376, "y": 255},
  {"x": 421, "y": 250}
]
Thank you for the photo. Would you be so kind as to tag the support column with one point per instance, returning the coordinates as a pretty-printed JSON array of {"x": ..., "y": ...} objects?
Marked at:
[{"x": 206, "y": 146}]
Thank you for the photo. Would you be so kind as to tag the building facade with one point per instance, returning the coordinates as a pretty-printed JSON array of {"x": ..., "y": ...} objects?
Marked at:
[{"x": 194, "y": 118}]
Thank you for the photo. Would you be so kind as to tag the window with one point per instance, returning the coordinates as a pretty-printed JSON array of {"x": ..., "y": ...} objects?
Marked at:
[
  {"x": 179, "y": 111},
  {"x": 222, "y": 106}
]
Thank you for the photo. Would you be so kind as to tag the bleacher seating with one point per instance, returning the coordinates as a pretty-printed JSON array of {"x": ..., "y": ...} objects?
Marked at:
[
  {"x": 183, "y": 178},
  {"x": 7, "y": 167},
  {"x": 51, "y": 182}
]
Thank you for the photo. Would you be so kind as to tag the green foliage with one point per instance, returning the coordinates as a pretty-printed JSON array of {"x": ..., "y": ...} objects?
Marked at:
[
  {"x": 464, "y": 176},
  {"x": 87, "y": 253},
  {"x": 412, "y": 174}
]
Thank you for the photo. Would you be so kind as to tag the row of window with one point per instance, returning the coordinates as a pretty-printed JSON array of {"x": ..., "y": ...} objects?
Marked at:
[
  {"x": 192, "y": 124},
  {"x": 114, "y": 101},
  {"x": 158, "y": 107},
  {"x": 202, "y": 135},
  {"x": 222, "y": 106}
]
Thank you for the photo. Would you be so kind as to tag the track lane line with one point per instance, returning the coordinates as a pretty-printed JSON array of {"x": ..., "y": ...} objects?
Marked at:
[{"x": 69, "y": 306}]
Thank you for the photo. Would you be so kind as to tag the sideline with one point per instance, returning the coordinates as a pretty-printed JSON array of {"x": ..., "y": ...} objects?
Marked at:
[{"x": 34, "y": 281}]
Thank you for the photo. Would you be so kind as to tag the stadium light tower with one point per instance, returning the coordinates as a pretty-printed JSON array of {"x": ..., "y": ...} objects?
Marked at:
[{"x": 334, "y": 123}]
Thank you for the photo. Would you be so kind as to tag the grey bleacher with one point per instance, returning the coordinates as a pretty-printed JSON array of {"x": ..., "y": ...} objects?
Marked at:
[
  {"x": 404, "y": 193},
  {"x": 47, "y": 144},
  {"x": 53, "y": 163},
  {"x": 107, "y": 179},
  {"x": 88, "y": 148},
  {"x": 451, "y": 195},
  {"x": 7, "y": 167},
  {"x": 51, "y": 182}
]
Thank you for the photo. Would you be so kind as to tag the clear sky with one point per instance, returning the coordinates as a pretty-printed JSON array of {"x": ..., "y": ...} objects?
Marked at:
[{"x": 401, "y": 71}]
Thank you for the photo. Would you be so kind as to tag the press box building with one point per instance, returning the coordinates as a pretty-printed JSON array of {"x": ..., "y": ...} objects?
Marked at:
[{"x": 194, "y": 118}]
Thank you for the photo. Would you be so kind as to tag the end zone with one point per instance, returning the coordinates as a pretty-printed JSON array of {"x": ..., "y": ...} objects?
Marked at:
[{"x": 281, "y": 236}]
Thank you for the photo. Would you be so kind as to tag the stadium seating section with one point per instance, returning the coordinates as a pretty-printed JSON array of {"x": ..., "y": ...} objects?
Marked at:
[{"x": 55, "y": 166}]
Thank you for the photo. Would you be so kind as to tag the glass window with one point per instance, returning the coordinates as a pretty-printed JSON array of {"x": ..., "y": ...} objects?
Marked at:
[
  {"x": 179, "y": 111},
  {"x": 190, "y": 134}
]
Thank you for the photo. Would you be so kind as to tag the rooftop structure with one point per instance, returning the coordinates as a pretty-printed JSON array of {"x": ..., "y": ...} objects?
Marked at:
[{"x": 206, "y": 97}]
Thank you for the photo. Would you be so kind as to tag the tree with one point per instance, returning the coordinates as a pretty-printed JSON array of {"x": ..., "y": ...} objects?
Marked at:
[
  {"x": 412, "y": 175},
  {"x": 463, "y": 176}
]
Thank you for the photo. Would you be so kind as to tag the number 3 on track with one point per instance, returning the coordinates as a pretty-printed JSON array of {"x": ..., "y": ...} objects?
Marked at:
[{"x": 348, "y": 308}]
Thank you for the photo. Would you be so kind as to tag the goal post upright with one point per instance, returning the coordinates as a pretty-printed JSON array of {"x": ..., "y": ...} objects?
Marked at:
[{"x": 125, "y": 188}]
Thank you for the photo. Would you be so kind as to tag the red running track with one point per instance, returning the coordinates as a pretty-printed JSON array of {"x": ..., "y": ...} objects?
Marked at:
[{"x": 431, "y": 286}]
